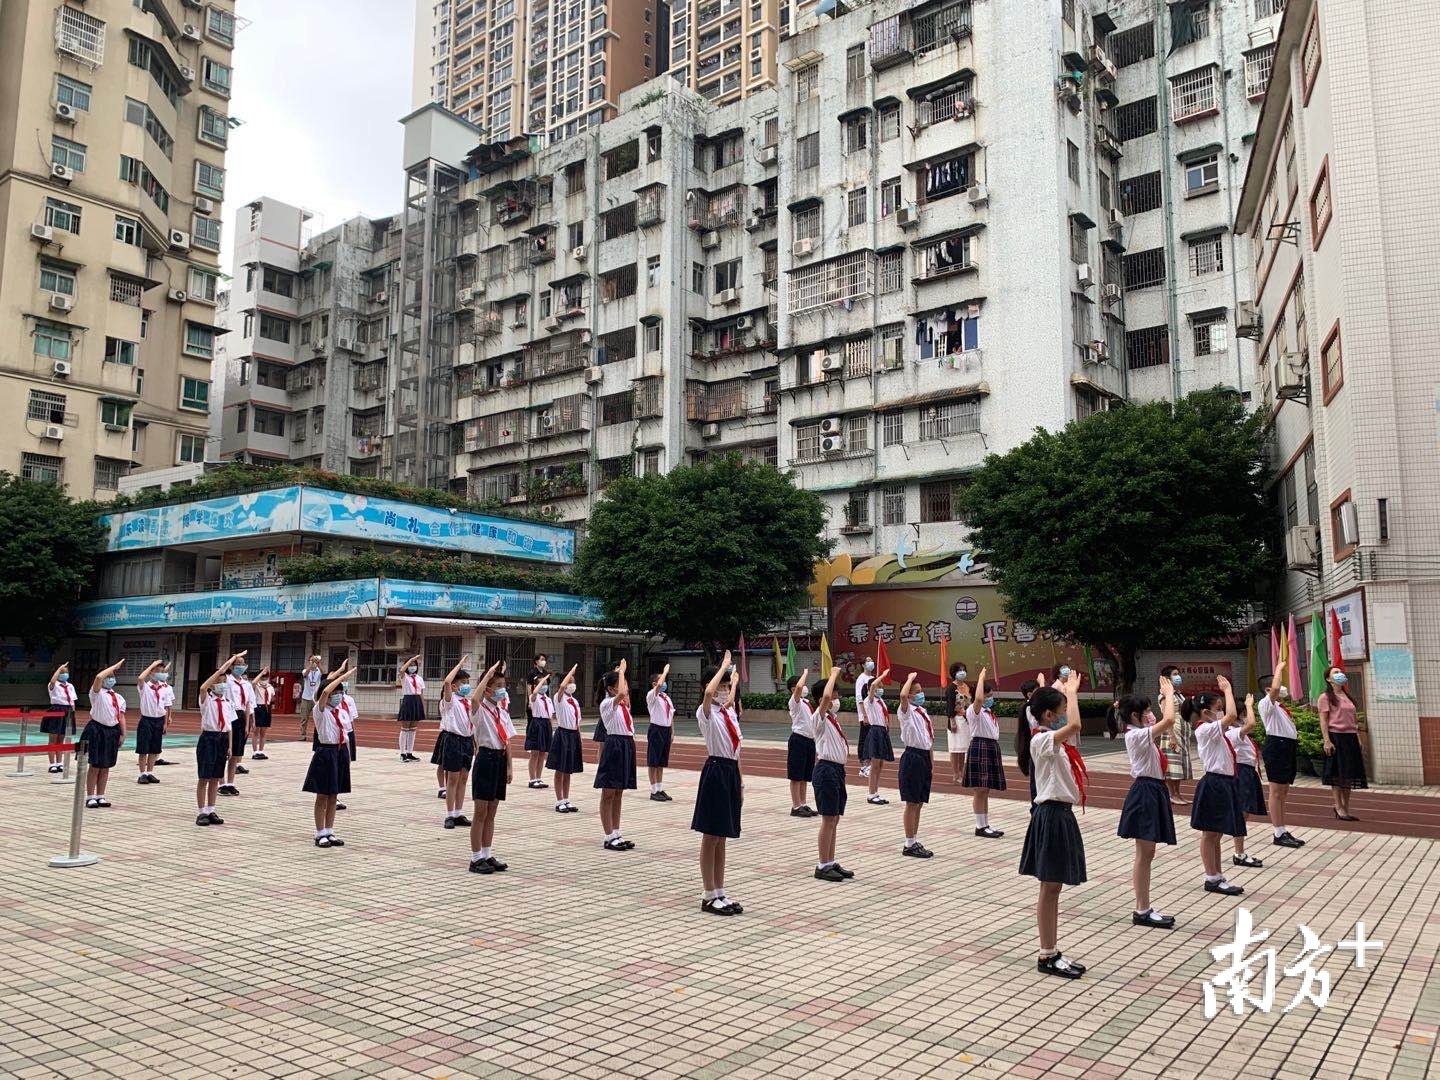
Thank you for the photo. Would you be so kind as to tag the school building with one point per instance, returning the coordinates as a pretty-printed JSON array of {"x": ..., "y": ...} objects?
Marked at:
[{"x": 194, "y": 581}]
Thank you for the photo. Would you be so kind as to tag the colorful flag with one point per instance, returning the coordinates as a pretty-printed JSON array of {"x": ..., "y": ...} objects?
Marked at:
[
  {"x": 744, "y": 662},
  {"x": 994, "y": 659},
  {"x": 1318, "y": 659},
  {"x": 944, "y": 673},
  {"x": 1252, "y": 662},
  {"x": 826, "y": 660},
  {"x": 1337, "y": 659},
  {"x": 777, "y": 665},
  {"x": 1292, "y": 653},
  {"x": 791, "y": 668},
  {"x": 1274, "y": 651},
  {"x": 882, "y": 659}
]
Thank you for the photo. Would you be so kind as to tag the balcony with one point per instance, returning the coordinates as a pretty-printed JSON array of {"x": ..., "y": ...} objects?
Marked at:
[{"x": 556, "y": 362}]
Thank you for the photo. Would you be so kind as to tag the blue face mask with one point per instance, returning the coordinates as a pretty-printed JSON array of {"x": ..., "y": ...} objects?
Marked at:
[
  {"x": 109, "y": 683},
  {"x": 240, "y": 669},
  {"x": 879, "y": 692},
  {"x": 1340, "y": 680},
  {"x": 502, "y": 695},
  {"x": 990, "y": 702},
  {"x": 1175, "y": 679},
  {"x": 411, "y": 670},
  {"x": 664, "y": 687},
  {"x": 869, "y": 665},
  {"x": 64, "y": 677},
  {"x": 162, "y": 677},
  {"x": 463, "y": 690},
  {"x": 335, "y": 701},
  {"x": 1064, "y": 673},
  {"x": 918, "y": 699},
  {"x": 960, "y": 675}
]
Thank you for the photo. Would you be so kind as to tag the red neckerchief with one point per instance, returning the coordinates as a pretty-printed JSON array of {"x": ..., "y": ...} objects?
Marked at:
[
  {"x": 838, "y": 729},
  {"x": 69, "y": 692},
  {"x": 219, "y": 708},
  {"x": 116, "y": 709},
  {"x": 624, "y": 708},
  {"x": 669, "y": 705},
  {"x": 929, "y": 728},
  {"x": 468, "y": 722},
  {"x": 335, "y": 715},
  {"x": 493, "y": 711},
  {"x": 731, "y": 730},
  {"x": 1077, "y": 770},
  {"x": 1164, "y": 761},
  {"x": 1234, "y": 761},
  {"x": 574, "y": 707}
]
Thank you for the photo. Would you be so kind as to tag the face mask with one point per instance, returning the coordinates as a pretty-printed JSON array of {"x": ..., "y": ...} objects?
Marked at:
[
  {"x": 1338, "y": 680},
  {"x": 463, "y": 690},
  {"x": 805, "y": 693},
  {"x": 216, "y": 692},
  {"x": 1285, "y": 690},
  {"x": 240, "y": 669},
  {"x": 540, "y": 664},
  {"x": 990, "y": 702},
  {"x": 64, "y": 677},
  {"x": 879, "y": 692},
  {"x": 411, "y": 670},
  {"x": 1064, "y": 673},
  {"x": 108, "y": 683},
  {"x": 162, "y": 677},
  {"x": 960, "y": 675},
  {"x": 154, "y": 680},
  {"x": 664, "y": 687},
  {"x": 1175, "y": 679},
  {"x": 918, "y": 699},
  {"x": 869, "y": 665},
  {"x": 335, "y": 701},
  {"x": 502, "y": 695}
]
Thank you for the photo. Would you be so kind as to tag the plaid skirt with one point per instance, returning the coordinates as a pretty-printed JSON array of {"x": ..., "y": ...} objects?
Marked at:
[
  {"x": 1175, "y": 745},
  {"x": 984, "y": 767}
]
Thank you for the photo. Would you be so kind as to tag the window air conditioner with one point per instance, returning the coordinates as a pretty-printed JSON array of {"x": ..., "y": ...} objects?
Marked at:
[
  {"x": 64, "y": 113},
  {"x": 978, "y": 194},
  {"x": 204, "y": 205},
  {"x": 580, "y": 253},
  {"x": 177, "y": 296},
  {"x": 801, "y": 248},
  {"x": 832, "y": 362},
  {"x": 710, "y": 431},
  {"x": 769, "y": 155},
  {"x": 60, "y": 302},
  {"x": 830, "y": 425},
  {"x": 1302, "y": 545},
  {"x": 1110, "y": 293},
  {"x": 745, "y": 322},
  {"x": 1084, "y": 276},
  {"x": 908, "y": 215},
  {"x": 190, "y": 32},
  {"x": 727, "y": 296},
  {"x": 44, "y": 233},
  {"x": 594, "y": 375},
  {"x": 710, "y": 240},
  {"x": 179, "y": 239},
  {"x": 61, "y": 369},
  {"x": 62, "y": 172}
]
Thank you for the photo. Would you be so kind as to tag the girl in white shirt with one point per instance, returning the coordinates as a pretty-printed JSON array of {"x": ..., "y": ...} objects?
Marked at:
[
  {"x": 1216, "y": 808},
  {"x": 329, "y": 774},
  {"x": 60, "y": 719},
  {"x": 150, "y": 691},
  {"x": 615, "y": 774},
  {"x": 721, "y": 790},
  {"x": 800, "y": 747},
  {"x": 916, "y": 763},
  {"x": 412, "y": 705},
  {"x": 1054, "y": 852},
  {"x": 491, "y": 771},
  {"x": 565, "y": 759},
  {"x": 264, "y": 702},
  {"x": 832, "y": 751},
  {"x": 878, "y": 749},
  {"x": 1247, "y": 779},
  {"x": 455, "y": 747},
  {"x": 539, "y": 709},
  {"x": 212, "y": 750},
  {"x": 103, "y": 734},
  {"x": 984, "y": 768},
  {"x": 659, "y": 733},
  {"x": 1279, "y": 756},
  {"x": 1146, "y": 817}
]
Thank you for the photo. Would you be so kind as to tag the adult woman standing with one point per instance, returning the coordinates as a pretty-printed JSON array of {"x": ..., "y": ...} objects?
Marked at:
[
  {"x": 1344, "y": 764},
  {"x": 1175, "y": 744}
]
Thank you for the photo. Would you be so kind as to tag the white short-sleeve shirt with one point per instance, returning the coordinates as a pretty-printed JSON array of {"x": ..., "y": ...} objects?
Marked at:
[
  {"x": 455, "y": 716},
  {"x": 878, "y": 713},
  {"x": 830, "y": 741},
  {"x": 329, "y": 725},
  {"x": 152, "y": 700},
  {"x": 1049, "y": 764},
  {"x": 1276, "y": 720},
  {"x": 1215, "y": 749},
  {"x": 982, "y": 722},
  {"x": 1144, "y": 755},
  {"x": 492, "y": 726},
  {"x": 212, "y": 713},
  {"x": 411, "y": 684},
  {"x": 802, "y": 717},
  {"x": 915, "y": 727},
  {"x": 107, "y": 707},
  {"x": 567, "y": 711},
  {"x": 615, "y": 715},
  {"x": 62, "y": 694},
  {"x": 720, "y": 727},
  {"x": 661, "y": 708}
]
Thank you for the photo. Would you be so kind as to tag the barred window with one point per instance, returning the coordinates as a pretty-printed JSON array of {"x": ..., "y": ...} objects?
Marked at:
[
  {"x": 1140, "y": 194},
  {"x": 855, "y": 206},
  {"x": 857, "y": 357},
  {"x": 1210, "y": 333},
  {"x": 1144, "y": 269},
  {"x": 80, "y": 34},
  {"x": 1266, "y": 8},
  {"x": 1258, "y": 64},
  {"x": 857, "y": 133},
  {"x": 892, "y": 347},
  {"x": 108, "y": 472},
  {"x": 848, "y": 277},
  {"x": 807, "y": 82},
  {"x": 1133, "y": 45},
  {"x": 1147, "y": 347},
  {"x": 952, "y": 418},
  {"x": 62, "y": 215},
  {"x": 42, "y": 467},
  {"x": 807, "y": 152},
  {"x": 889, "y": 196},
  {"x": 857, "y": 432},
  {"x": 891, "y": 271},
  {"x": 1207, "y": 255},
  {"x": 805, "y": 224},
  {"x": 1192, "y": 93},
  {"x": 1135, "y": 119},
  {"x": 46, "y": 407},
  {"x": 441, "y": 654},
  {"x": 376, "y": 666},
  {"x": 807, "y": 442},
  {"x": 892, "y": 429},
  {"x": 892, "y": 504},
  {"x": 940, "y": 501}
]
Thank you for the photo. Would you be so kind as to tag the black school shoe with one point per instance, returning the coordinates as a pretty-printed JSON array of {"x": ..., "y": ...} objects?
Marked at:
[
  {"x": 440, "y": 794},
  {"x": 481, "y": 866},
  {"x": 846, "y": 874},
  {"x": 202, "y": 819},
  {"x": 461, "y": 819},
  {"x": 803, "y": 811},
  {"x": 830, "y": 873},
  {"x": 215, "y": 819},
  {"x": 449, "y": 823},
  {"x": 335, "y": 841},
  {"x": 660, "y": 796},
  {"x": 989, "y": 834},
  {"x": 570, "y": 808},
  {"x": 340, "y": 806},
  {"x": 1223, "y": 887},
  {"x": 241, "y": 770},
  {"x": 918, "y": 851},
  {"x": 497, "y": 865},
  {"x": 1247, "y": 860},
  {"x": 1059, "y": 966},
  {"x": 322, "y": 841},
  {"x": 228, "y": 789},
  {"x": 162, "y": 761},
  {"x": 710, "y": 908},
  {"x": 619, "y": 845},
  {"x": 1153, "y": 918},
  {"x": 259, "y": 755},
  {"x": 1286, "y": 840}
]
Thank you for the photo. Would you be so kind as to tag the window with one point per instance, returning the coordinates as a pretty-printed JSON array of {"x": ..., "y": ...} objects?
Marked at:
[
  {"x": 215, "y": 77},
  {"x": 1207, "y": 255},
  {"x": 1341, "y": 510},
  {"x": 892, "y": 267},
  {"x": 947, "y": 177},
  {"x": 892, "y": 504},
  {"x": 1258, "y": 64},
  {"x": 952, "y": 418},
  {"x": 194, "y": 394},
  {"x": 1202, "y": 175},
  {"x": 855, "y": 65},
  {"x": 220, "y": 25},
  {"x": 274, "y": 327},
  {"x": 374, "y": 666},
  {"x": 727, "y": 275},
  {"x": 1133, "y": 45},
  {"x": 199, "y": 340},
  {"x": 889, "y": 196},
  {"x": 1210, "y": 333},
  {"x": 108, "y": 472},
  {"x": 120, "y": 351},
  {"x": 846, "y": 277},
  {"x": 67, "y": 153},
  {"x": 1266, "y": 8},
  {"x": 42, "y": 467},
  {"x": 189, "y": 449},
  {"x": 892, "y": 347},
  {"x": 650, "y": 463},
  {"x": 147, "y": 58},
  {"x": 1321, "y": 209},
  {"x": 72, "y": 92},
  {"x": 1145, "y": 269},
  {"x": 697, "y": 277},
  {"x": 940, "y": 501},
  {"x": 1147, "y": 347},
  {"x": 242, "y": 418},
  {"x": 857, "y": 133},
  {"x": 807, "y": 152},
  {"x": 271, "y": 375},
  {"x": 855, "y": 206},
  {"x": 46, "y": 407},
  {"x": 1192, "y": 94},
  {"x": 139, "y": 114},
  {"x": 52, "y": 342},
  {"x": 888, "y": 122},
  {"x": 806, "y": 224},
  {"x": 807, "y": 442},
  {"x": 856, "y": 352},
  {"x": 80, "y": 35},
  {"x": 1079, "y": 242},
  {"x": 127, "y": 230},
  {"x": 55, "y": 278},
  {"x": 941, "y": 257},
  {"x": 653, "y": 336},
  {"x": 1310, "y": 55},
  {"x": 1072, "y": 161},
  {"x": 214, "y": 127},
  {"x": 857, "y": 428},
  {"x": 441, "y": 654},
  {"x": 1140, "y": 194},
  {"x": 1312, "y": 489},
  {"x": 1332, "y": 367},
  {"x": 271, "y": 422},
  {"x": 1135, "y": 119},
  {"x": 892, "y": 429},
  {"x": 206, "y": 232},
  {"x": 203, "y": 284},
  {"x": 209, "y": 180},
  {"x": 807, "y": 83},
  {"x": 115, "y": 413},
  {"x": 124, "y": 290},
  {"x": 62, "y": 215},
  {"x": 942, "y": 26},
  {"x": 857, "y": 510}
]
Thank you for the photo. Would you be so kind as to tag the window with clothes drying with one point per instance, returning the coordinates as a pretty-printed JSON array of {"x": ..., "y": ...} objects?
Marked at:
[
  {"x": 941, "y": 257},
  {"x": 942, "y": 333},
  {"x": 947, "y": 177}
]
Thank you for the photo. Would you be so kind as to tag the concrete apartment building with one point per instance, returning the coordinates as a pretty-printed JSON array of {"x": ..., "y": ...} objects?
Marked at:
[
  {"x": 1339, "y": 211},
  {"x": 1190, "y": 77},
  {"x": 726, "y": 49},
  {"x": 113, "y": 129},
  {"x": 307, "y": 374},
  {"x": 542, "y": 67}
]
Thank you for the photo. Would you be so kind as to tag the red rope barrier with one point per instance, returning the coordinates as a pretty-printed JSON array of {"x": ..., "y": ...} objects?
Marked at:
[{"x": 40, "y": 748}]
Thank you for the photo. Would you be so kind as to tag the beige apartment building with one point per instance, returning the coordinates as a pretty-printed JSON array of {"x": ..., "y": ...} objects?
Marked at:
[
  {"x": 113, "y": 128},
  {"x": 1339, "y": 209},
  {"x": 540, "y": 67},
  {"x": 727, "y": 49}
]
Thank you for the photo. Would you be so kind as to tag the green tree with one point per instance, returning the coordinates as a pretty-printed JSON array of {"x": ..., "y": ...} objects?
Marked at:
[
  {"x": 48, "y": 547},
  {"x": 703, "y": 553},
  {"x": 1145, "y": 526}
]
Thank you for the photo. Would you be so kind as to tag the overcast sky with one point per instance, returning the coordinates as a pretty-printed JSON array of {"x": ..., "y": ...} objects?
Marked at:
[{"x": 320, "y": 86}]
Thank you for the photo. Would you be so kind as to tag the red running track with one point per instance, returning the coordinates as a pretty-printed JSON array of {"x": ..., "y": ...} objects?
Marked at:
[{"x": 1308, "y": 807}]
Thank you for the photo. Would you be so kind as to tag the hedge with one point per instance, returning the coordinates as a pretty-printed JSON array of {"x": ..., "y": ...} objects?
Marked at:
[{"x": 440, "y": 568}]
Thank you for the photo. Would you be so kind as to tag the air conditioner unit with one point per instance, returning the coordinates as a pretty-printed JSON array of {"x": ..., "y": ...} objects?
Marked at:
[
  {"x": 54, "y": 431},
  {"x": 710, "y": 431},
  {"x": 1110, "y": 293},
  {"x": 830, "y": 425},
  {"x": 832, "y": 362},
  {"x": 1302, "y": 546},
  {"x": 1248, "y": 322},
  {"x": 61, "y": 302},
  {"x": 801, "y": 248},
  {"x": 709, "y": 240},
  {"x": 755, "y": 222},
  {"x": 908, "y": 215},
  {"x": 580, "y": 253},
  {"x": 1349, "y": 525},
  {"x": 346, "y": 343},
  {"x": 190, "y": 32},
  {"x": 61, "y": 172},
  {"x": 769, "y": 155},
  {"x": 180, "y": 239},
  {"x": 1084, "y": 277},
  {"x": 978, "y": 194},
  {"x": 381, "y": 297},
  {"x": 832, "y": 444},
  {"x": 187, "y": 74},
  {"x": 64, "y": 113},
  {"x": 204, "y": 205},
  {"x": 178, "y": 296},
  {"x": 464, "y": 296},
  {"x": 1291, "y": 374},
  {"x": 594, "y": 376},
  {"x": 61, "y": 369},
  {"x": 398, "y": 637},
  {"x": 44, "y": 233},
  {"x": 744, "y": 322},
  {"x": 1117, "y": 220},
  {"x": 727, "y": 296},
  {"x": 1099, "y": 352}
]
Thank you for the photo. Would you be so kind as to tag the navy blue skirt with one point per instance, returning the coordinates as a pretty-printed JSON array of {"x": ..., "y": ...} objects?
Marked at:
[
  {"x": 564, "y": 753},
  {"x": 57, "y": 720},
  {"x": 1252, "y": 795},
  {"x": 148, "y": 735},
  {"x": 329, "y": 772},
  {"x": 456, "y": 752},
  {"x": 1147, "y": 814},
  {"x": 537, "y": 733},
  {"x": 211, "y": 753},
  {"x": 617, "y": 763},
  {"x": 877, "y": 744},
  {"x": 1217, "y": 806},
  {"x": 916, "y": 768},
  {"x": 1278, "y": 753},
  {"x": 599, "y": 735},
  {"x": 102, "y": 744},
  {"x": 799, "y": 757},
  {"x": 984, "y": 767},
  {"x": 828, "y": 780},
  {"x": 412, "y": 709},
  {"x": 350, "y": 739},
  {"x": 658, "y": 738},
  {"x": 1345, "y": 768},
  {"x": 1053, "y": 848},
  {"x": 717, "y": 799},
  {"x": 487, "y": 775}
]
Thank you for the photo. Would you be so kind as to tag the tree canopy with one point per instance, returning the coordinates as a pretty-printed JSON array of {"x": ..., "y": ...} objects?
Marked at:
[
  {"x": 1140, "y": 527},
  {"x": 703, "y": 553},
  {"x": 48, "y": 547}
]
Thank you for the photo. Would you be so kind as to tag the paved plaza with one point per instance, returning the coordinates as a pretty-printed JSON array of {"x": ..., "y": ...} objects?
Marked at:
[{"x": 244, "y": 951}]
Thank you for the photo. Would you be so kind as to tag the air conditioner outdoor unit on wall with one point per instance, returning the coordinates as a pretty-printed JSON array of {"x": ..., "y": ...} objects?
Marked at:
[
  {"x": 398, "y": 637},
  {"x": 832, "y": 362},
  {"x": 830, "y": 425},
  {"x": 832, "y": 444},
  {"x": 1302, "y": 546}
]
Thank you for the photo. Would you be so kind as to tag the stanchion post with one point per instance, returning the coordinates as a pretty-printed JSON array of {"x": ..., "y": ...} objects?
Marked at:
[
  {"x": 75, "y": 856},
  {"x": 20, "y": 773},
  {"x": 64, "y": 777}
]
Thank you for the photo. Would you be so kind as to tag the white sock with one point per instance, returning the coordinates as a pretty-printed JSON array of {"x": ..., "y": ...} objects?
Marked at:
[
  {"x": 485, "y": 853},
  {"x": 709, "y": 894},
  {"x": 614, "y": 835},
  {"x": 911, "y": 841},
  {"x": 1279, "y": 831},
  {"x": 327, "y": 832},
  {"x": 319, "y": 833},
  {"x": 1214, "y": 877},
  {"x": 654, "y": 788},
  {"x": 821, "y": 865},
  {"x": 982, "y": 821},
  {"x": 476, "y": 856},
  {"x": 559, "y": 803}
]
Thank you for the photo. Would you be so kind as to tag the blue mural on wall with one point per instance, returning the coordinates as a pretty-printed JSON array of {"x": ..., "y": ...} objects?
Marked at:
[
  {"x": 334, "y": 513},
  {"x": 429, "y": 597}
]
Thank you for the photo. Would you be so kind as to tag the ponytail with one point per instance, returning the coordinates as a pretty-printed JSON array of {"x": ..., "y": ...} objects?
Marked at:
[
  {"x": 1022, "y": 743},
  {"x": 1045, "y": 699}
]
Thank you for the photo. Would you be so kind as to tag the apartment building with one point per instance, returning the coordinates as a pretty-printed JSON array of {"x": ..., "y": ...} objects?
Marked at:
[
  {"x": 543, "y": 67},
  {"x": 113, "y": 129},
  {"x": 726, "y": 49},
  {"x": 306, "y": 378},
  {"x": 1189, "y": 80},
  {"x": 1338, "y": 210},
  {"x": 949, "y": 269}
]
